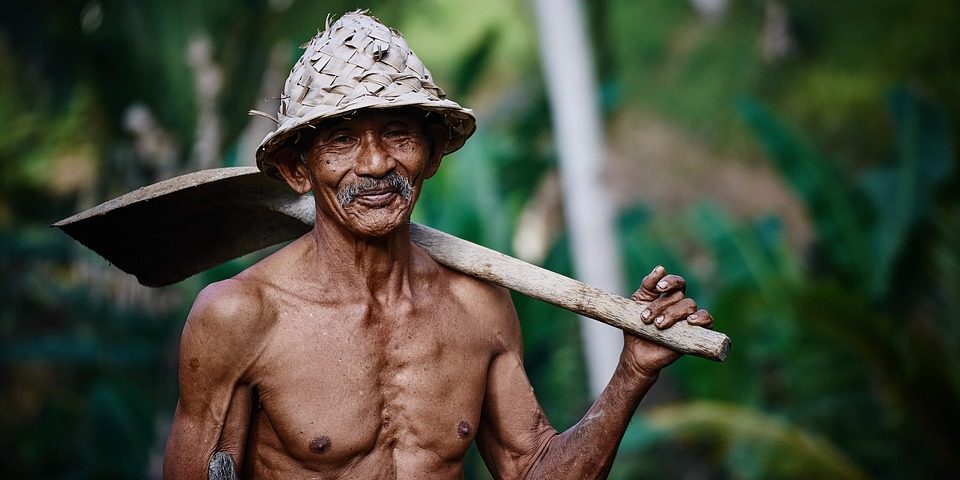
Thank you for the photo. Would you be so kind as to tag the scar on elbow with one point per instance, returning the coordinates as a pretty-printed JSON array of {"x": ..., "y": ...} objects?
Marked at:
[
  {"x": 320, "y": 444},
  {"x": 463, "y": 429},
  {"x": 222, "y": 467}
]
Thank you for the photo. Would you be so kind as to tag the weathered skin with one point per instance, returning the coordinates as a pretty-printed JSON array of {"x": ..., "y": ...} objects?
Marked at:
[{"x": 350, "y": 353}]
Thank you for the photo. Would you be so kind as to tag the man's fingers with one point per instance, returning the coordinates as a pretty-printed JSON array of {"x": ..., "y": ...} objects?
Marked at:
[
  {"x": 650, "y": 281},
  {"x": 668, "y": 305},
  {"x": 701, "y": 318},
  {"x": 675, "y": 312},
  {"x": 670, "y": 283},
  {"x": 648, "y": 287},
  {"x": 655, "y": 308}
]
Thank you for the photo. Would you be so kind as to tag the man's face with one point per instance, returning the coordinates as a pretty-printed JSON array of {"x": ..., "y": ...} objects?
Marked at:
[{"x": 367, "y": 170}]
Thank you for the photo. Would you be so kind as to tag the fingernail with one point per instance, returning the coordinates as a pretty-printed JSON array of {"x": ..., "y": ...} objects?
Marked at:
[
  {"x": 693, "y": 316},
  {"x": 659, "y": 320},
  {"x": 645, "y": 314},
  {"x": 662, "y": 285}
]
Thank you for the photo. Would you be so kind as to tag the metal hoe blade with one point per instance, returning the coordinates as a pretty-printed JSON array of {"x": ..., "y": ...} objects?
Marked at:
[{"x": 168, "y": 231}]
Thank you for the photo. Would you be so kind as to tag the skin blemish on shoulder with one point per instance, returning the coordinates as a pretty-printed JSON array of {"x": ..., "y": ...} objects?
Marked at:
[
  {"x": 463, "y": 429},
  {"x": 320, "y": 444},
  {"x": 194, "y": 364}
]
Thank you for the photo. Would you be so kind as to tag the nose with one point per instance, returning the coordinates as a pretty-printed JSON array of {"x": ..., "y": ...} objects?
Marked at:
[{"x": 374, "y": 160}]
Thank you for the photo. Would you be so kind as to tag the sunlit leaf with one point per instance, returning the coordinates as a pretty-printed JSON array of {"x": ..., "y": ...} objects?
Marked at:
[{"x": 777, "y": 448}]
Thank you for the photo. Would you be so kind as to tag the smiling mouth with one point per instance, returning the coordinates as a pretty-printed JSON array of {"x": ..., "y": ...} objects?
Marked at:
[
  {"x": 376, "y": 199},
  {"x": 376, "y": 192}
]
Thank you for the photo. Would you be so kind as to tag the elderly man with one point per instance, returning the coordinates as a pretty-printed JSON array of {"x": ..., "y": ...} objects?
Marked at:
[{"x": 350, "y": 353}]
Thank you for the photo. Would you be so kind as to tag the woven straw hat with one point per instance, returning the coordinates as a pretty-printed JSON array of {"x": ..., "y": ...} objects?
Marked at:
[{"x": 358, "y": 62}]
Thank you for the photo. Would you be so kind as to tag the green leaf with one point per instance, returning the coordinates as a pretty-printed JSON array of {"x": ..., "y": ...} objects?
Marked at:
[
  {"x": 756, "y": 256},
  {"x": 840, "y": 214},
  {"x": 903, "y": 195},
  {"x": 476, "y": 61},
  {"x": 757, "y": 444}
]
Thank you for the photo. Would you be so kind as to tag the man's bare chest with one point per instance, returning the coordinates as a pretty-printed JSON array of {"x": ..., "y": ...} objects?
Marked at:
[{"x": 338, "y": 386}]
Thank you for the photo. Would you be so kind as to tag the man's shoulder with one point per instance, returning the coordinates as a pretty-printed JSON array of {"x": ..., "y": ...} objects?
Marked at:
[
  {"x": 468, "y": 289},
  {"x": 224, "y": 326},
  {"x": 276, "y": 271},
  {"x": 488, "y": 302},
  {"x": 480, "y": 292},
  {"x": 234, "y": 305},
  {"x": 229, "y": 297},
  {"x": 491, "y": 310}
]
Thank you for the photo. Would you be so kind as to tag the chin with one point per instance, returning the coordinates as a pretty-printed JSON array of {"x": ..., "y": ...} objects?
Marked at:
[{"x": 377, "y": 224}]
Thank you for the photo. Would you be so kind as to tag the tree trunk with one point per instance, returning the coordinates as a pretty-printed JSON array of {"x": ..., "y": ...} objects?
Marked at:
[{"x": 588, "y": 209}]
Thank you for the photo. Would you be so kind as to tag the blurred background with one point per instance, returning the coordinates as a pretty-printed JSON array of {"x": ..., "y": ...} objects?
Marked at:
[{"x": 794, "y": 160}]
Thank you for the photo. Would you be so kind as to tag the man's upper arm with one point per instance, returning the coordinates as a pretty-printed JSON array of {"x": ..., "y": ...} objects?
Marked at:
[
  {"x": 513, "y": 429},
  {"x": 215, "y": 350}
]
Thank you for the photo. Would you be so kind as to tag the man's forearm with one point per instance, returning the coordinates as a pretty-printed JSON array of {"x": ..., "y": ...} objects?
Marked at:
[{"x": 587, "y": 449}]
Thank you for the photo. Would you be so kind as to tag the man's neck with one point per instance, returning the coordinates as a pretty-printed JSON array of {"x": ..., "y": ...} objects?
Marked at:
[{"x": 376, "y": 266}]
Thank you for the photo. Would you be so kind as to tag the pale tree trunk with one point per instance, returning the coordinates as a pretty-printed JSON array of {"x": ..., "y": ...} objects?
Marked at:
[{"x": 588, "y": 208}]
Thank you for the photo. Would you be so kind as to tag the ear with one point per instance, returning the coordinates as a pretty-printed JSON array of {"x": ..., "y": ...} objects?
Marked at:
[
  {"x": 437, "y": 139},
  {"x": 292, "y": 170}
]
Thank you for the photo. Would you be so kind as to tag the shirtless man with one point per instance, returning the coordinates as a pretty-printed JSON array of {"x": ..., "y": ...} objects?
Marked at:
[{"x": 350, "y": 353}]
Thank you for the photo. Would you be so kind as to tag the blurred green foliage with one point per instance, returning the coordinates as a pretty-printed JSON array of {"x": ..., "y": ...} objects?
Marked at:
[
  {"x": 850, "y": 341},
  {"x": 846, "y": 354}
]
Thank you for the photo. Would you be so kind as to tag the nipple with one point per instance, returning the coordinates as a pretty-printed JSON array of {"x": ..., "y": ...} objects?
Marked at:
[
  {"x": 463, "y": 429},
  {"x": 320, "y": 444}
]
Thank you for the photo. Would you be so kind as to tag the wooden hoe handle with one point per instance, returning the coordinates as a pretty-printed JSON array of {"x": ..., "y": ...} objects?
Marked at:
[{"x": 578, "y": 297}]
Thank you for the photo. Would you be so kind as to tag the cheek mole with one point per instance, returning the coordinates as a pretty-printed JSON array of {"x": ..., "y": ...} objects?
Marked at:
[
  {"x": 194, "y": 364},
  {"x": 463, "y": 429},
  {"x": 320, "y": 444}
]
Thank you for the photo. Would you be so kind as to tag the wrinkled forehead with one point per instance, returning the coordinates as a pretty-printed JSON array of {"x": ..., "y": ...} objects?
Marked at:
[{"x": 365, "y": 118}]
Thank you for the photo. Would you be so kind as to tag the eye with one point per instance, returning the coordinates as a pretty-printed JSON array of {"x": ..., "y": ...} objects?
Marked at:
[
  {"x": 341, "y": 139},
  {"x": 399, "y": 128},
  {"x": 395, "y": 133}
]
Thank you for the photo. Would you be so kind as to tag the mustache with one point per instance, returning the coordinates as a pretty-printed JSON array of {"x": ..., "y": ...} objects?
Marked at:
[{"x": 393, "y": 181}]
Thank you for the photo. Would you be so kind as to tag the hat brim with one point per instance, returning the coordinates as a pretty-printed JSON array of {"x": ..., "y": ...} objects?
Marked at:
[{"x": 460, "y": 122}]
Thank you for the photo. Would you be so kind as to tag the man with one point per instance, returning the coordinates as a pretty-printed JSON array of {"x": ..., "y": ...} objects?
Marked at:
[{"x": 350, "y": 353}]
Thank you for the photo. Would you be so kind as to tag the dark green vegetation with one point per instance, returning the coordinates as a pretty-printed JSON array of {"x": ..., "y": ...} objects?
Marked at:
[{"x": 846, "y": 356}]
